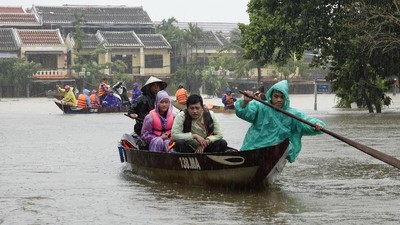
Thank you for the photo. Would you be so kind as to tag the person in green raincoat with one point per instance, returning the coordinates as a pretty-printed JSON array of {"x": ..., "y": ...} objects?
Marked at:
[{"x": 270, "y": 127}]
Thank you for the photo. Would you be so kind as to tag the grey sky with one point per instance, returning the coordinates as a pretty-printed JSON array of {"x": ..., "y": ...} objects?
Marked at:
[{"x": 183, "y": 10}]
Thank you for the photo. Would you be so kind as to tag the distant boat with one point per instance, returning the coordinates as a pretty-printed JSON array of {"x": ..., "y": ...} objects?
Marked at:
[
  {"x": 252, "y": 168},
  {"x": 214, "y": 108},
  {"x": 76, "y": 110}
]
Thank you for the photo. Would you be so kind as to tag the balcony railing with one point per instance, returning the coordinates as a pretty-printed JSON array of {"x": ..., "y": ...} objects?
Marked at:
[{"x": 50, "y": 74}]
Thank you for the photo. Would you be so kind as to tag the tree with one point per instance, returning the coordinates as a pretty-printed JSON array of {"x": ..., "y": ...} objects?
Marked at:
[
  {"x": 279, "y": 29},
  {"x": 16, "y": 72},
  {"x": 175, "y": 36}
]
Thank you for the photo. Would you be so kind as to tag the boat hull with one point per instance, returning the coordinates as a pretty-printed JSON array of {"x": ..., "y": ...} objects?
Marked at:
[
  {"x": 76, "y": 110},
  {"x": 251, "y": 168}
]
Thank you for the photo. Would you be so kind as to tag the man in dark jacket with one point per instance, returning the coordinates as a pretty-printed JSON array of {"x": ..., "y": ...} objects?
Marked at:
[{"x": 145, "y": 102}]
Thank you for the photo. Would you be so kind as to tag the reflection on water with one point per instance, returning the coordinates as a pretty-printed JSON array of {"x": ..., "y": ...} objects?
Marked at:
[{"x": 64, "y": 169}]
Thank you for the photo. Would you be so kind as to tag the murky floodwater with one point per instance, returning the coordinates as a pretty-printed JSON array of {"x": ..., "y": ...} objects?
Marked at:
[{"x": 64, "y": 169}]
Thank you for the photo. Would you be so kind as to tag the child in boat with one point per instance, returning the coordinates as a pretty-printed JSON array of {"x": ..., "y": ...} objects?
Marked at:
[
  {"x": 157, "y": 124},
  {"x": 269, "y": 126}
]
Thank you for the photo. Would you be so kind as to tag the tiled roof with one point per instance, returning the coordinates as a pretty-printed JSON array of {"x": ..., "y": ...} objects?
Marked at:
[
  {"x": 222, "y": 38},
  {"x": 209, "y": 26},
  {"x": 40, "y": 37},
  {"x": 8, "y": 41},
  {"x": 5, "y": 9},
  {"x": 154, "y": 41},
  {"x": 94, "y": 14},
  {"x": 209, "y": 41},
  {"x": 119, "y": 38},
  {"x": 90, "y": 41},
  {"x": 25, "y": 19}
]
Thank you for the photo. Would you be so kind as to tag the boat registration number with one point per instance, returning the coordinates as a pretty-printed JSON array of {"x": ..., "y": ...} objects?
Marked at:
[{"x": 190, "y": 163}]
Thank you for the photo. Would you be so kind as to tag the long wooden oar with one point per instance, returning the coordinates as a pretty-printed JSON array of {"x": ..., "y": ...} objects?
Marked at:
[{"x": 370, "y": 151}]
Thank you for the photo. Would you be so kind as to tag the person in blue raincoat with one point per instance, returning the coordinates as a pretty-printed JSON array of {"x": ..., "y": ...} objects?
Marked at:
[
  {"x": 111, "y": 101},
  {"x": 269, "y": 127}
]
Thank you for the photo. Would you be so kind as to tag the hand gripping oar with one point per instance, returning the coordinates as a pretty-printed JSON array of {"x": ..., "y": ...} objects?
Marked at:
[{"x": 370, "y": 151}]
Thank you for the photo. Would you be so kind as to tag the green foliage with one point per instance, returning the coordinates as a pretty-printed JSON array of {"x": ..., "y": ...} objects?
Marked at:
[
  {"x": 190, "y": 76},
  {"x": 358, "y": 41},
  {"x": 16, "y": 71},
  {"x": 212, "y": 82}
]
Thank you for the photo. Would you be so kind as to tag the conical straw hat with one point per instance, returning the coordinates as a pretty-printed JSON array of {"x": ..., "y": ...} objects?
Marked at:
[{"x": 152, "y": 80}]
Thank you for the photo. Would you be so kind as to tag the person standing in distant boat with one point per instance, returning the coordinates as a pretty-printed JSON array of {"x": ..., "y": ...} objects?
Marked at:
[
  {"x": 270, "y": 127},
  {"x": 135, "y": 93},
  {"x": 181, "y": 95},
  {"x": 157, "y": 125},
  {"x": 146, "y": 102},
  {"x": 196, "y": 129},
  {"x": 69, "y": 96},
  {"x": 103, "y": 89},
  {"x": 228, "y": 99}
]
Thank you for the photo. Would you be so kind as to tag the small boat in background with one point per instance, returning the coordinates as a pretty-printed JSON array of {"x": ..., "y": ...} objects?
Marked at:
[
  {"x": 233, "y": 168},
  {"x": 76, "y": 110},
  {"x": 211, "y": 107}
]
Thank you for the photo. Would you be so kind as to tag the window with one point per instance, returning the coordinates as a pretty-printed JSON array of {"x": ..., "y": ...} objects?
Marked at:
[
  {"x": 48, "y": 61},
  {"x": 127, "y": 59},
  {"x": 153, "y": 61}
]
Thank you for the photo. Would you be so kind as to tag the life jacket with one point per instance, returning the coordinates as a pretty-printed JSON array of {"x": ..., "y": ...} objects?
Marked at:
[
  {"x": 208, "y": 122},
  {"x": 158, "y": 129},
  {"x": 181, "y": 96},
  {"x": 82, "y": 101},
  {"x": 187, "y": 125},
  {"x": 103, "y": 91},
  {"x": 93, "y": 100},
  {"x": 229, "y": 100}
]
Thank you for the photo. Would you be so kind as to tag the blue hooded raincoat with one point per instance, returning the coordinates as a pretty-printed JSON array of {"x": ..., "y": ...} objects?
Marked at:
[{"x": 271, "y": 127}]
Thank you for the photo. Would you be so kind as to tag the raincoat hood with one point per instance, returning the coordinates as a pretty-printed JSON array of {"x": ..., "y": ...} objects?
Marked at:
[
  {"x": 283, "y": 87},
  {"x": 160, "y": 96},
  {"x": 151, "y": 80},
  {"x": 135, "y": 85},
  {"x": 228, "y": 90},
  {"x": 86, "y": 91},
  {"x": 269, "y": 127}
]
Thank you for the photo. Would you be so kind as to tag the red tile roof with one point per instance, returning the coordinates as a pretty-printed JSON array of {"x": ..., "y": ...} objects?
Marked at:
[
  {"x": 40, "y": 37},
  {"x": 9, "y": 9},
  {"x": 18, "y": 18}
]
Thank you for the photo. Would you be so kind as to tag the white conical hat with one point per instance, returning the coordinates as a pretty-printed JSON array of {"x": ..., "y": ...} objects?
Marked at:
[{"x": 152, "y": 80}]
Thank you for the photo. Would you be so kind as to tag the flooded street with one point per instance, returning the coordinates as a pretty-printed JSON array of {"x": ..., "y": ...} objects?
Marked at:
[{"x": 64, "y": 169}]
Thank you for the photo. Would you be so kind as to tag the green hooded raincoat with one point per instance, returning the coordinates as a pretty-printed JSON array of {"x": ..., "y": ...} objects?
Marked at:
[{"x": 271, "y": 127}]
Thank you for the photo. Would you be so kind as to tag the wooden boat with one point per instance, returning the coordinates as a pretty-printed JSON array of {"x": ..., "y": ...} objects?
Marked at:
[
  {"x": 214, "y": 108},
  {"x": 76, "y": 110},
  {"x": 253, "y": 168}
]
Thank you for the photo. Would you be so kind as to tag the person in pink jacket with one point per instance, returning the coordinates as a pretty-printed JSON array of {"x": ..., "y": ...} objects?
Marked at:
[{"x": 157, "y": 125}]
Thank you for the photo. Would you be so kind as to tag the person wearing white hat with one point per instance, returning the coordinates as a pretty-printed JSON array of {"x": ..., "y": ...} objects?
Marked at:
[{"x": 145, "y": 102}]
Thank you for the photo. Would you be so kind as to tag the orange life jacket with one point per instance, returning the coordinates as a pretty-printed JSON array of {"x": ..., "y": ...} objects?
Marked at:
[
  {"x": 82, "y": 101},
  {"x": 229, "y": 100},
  {"x": 158, "y": 129},
  {"x": 106, "y": 88},
  {"x": 181, "y": 96},
  {"x": 94, "y": 101}
]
